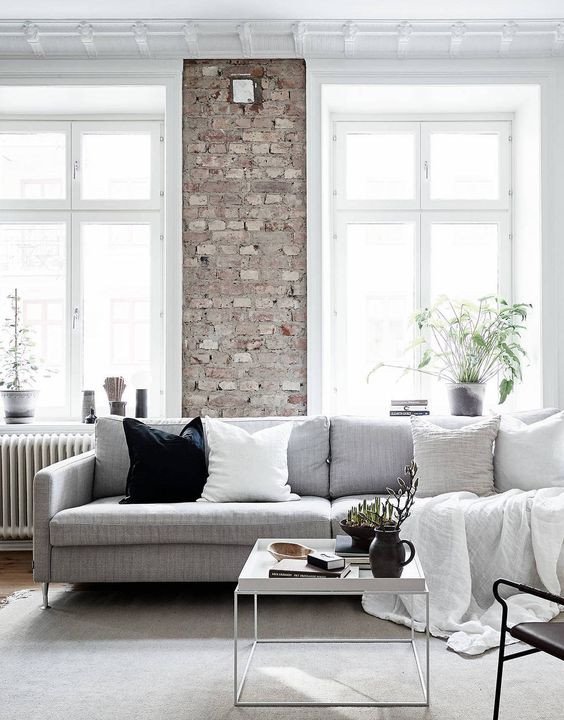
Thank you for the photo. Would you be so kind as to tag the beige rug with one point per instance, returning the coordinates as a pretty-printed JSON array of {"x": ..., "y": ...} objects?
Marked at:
[{"x": 134, "y": 652}]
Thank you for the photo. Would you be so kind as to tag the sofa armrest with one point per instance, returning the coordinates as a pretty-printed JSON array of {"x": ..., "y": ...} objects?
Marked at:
[{"x": 59, "y": 486}]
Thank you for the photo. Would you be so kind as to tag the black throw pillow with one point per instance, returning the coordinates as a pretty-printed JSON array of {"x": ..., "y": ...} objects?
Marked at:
[{"x": 164, "y": 468}]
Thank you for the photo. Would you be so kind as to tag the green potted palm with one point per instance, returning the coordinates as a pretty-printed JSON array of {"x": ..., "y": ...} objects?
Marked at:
[
  {"x": 469, "y": 344},
  {"x": 19, "y": 368}
]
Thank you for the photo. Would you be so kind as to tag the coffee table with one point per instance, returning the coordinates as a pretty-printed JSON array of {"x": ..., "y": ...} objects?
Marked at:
[{"x": 254, "y": 581}]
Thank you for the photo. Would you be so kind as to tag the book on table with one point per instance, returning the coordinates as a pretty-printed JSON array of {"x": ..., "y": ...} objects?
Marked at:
[
  {"x": 406, "y": 408},
  {"x": 408, "y": 413},
  {"x": 351, "y": 550},
  {"x": 300, "y": 569}
]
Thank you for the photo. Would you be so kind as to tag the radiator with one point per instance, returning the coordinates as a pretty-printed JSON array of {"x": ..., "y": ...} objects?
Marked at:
[{"x": 21, "y": 456}]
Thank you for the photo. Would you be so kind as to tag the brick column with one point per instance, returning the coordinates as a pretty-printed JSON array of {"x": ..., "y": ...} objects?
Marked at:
[{"x": 244, "y": 238}]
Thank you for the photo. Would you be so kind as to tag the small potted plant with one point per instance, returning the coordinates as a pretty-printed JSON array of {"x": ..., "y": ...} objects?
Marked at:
[
  {"x": 19, "y": 368},
  {"x": 469, "y": 344},
  {"x": 376, "y": 525}
]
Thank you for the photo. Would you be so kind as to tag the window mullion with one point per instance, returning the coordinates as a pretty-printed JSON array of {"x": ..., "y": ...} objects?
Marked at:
[{"x": 75, "y": 315}]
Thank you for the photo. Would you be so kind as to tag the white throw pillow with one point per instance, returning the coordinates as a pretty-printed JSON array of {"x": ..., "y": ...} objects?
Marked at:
[
  {"x": 247, "y": 467},
  {"x": 451, "y": 460},
  {"x": 528, "y": 457}
]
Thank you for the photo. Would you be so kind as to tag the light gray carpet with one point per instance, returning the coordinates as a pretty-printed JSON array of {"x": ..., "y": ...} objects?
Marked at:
[{"x": 164, "y": 652}]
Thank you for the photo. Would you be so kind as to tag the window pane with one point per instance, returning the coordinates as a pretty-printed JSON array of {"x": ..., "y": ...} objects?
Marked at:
[
  {"x": 32, "y": 166},
  {"x": 116, "y": 166},
  {"x": 116, "y": 292},
  {"x": 464, "y": 262},
  {"x": 33, "y": 260},
  {"x": 464, "y": 166},
  {"x": 380, "y": 166},
  {"x": 379, "y": 290}
]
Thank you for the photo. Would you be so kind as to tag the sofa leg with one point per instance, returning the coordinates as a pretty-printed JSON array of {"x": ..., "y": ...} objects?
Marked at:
[{"x": 45, "y": 592}]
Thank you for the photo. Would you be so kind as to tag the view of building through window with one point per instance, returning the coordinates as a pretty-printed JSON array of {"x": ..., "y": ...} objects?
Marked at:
[
  {"x": 80, "y": 219},
  {"x": 421, "y": 210}
]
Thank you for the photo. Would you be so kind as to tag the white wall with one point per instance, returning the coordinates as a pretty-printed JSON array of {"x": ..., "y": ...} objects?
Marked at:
[
  {"x": 527, "y": 248},
  {"x": 166, "y": 75},
  {"x": 539, "y": 170}
]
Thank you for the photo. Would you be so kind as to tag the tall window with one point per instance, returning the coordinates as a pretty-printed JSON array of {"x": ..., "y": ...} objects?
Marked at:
[
  {"x": 420, "y": 210},
  {"x": 80, "y": 237}
]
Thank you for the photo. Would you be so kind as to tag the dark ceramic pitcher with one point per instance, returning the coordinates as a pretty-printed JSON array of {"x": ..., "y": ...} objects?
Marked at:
[{"x": 387, "y": 554}]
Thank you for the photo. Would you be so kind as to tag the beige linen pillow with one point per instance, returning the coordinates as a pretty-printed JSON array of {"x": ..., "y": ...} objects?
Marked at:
[{"x": 454, "y": 460}]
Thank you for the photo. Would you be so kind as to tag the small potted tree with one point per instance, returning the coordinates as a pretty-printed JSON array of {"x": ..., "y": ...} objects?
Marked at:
[
  {"x": 19, "y": 368},
  {"x": 467, "y": 345}
]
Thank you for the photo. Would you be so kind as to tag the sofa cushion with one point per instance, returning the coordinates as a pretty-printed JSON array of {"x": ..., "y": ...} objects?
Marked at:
[
  {"x": 308, "y": 452},
  {"x": 247, "y": 467},
  {"x": 106, "y": 522},
  {"x": 165, "y": 467},
  {"x": 529, "y": 457},
  {"x": 368, "y": 454},
  {"x": 454, "y": 460}
]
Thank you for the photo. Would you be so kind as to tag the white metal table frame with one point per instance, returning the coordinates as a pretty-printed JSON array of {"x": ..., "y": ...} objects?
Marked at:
[{"x": 238, "y": 687}]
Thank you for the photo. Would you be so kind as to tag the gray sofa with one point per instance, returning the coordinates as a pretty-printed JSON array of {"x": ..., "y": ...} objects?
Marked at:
[{"x": 83, "y": 534}]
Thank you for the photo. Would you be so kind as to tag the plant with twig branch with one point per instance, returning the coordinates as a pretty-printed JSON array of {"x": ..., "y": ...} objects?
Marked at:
[
  {"x": 391, "y": 513},
  {"x": 467, "y": 342}
]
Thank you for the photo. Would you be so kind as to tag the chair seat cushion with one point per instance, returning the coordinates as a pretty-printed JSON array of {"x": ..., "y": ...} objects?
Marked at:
[
  {"x": 106, "y": 522},
  {"x": 548, "y": 637}
]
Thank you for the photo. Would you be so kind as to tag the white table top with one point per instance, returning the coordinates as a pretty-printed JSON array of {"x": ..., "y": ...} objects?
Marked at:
[{"x": 254, "y": 575}]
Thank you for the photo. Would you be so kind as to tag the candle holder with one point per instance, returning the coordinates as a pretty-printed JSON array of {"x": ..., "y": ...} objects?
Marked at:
[{"x": 141, "y": 403}]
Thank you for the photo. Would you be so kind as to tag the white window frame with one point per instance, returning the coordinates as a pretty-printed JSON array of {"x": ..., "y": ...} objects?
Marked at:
[
  {"x": 106, "y": 127},
  {"x": 77, "y": 301},
  {"x": 52, "y": 217},
  {"x": 339, "y": 310},
  {"x": 344, "y": 128},
  {"x": 169, "y": 75},
  {"x": 72, "y": 211},
  {"x": 466, "y": 217},
  {"x": 502, "y": 128},
  {"x": 46, "y": 126},
  {"x": 423, "y": 213}
]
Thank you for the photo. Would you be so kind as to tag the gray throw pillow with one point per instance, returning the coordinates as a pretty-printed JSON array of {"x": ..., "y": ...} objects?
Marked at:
[{"x": 454, "y": 460}]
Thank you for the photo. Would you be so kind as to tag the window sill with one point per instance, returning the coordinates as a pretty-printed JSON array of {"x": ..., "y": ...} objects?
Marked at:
[{"x": 46, "y": 426}]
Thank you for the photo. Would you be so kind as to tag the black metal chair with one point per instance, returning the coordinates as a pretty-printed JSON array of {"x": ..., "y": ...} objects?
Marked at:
[{"x": 541, "y": 636}]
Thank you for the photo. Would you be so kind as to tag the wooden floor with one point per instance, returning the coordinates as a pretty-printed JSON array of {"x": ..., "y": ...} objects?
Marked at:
[{"x": 15, "y": 572}]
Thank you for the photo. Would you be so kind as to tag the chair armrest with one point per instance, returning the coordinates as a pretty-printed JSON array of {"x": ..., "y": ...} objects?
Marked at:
[
  {"x": 59, "y": 486},
  {"x": 525, "y": 589}
]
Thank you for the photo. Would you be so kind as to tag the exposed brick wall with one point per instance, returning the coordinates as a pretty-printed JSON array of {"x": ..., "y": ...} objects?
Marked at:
[{"x": 244, "y": 350}]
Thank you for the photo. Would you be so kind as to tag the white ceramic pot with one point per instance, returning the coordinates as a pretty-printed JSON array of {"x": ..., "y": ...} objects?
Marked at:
[
  {"x": 466, "y": 398},
  {"x": 19, "y": 405}
]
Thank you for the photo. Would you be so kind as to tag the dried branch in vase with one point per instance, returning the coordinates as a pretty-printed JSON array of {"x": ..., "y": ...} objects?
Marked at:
[{"x": 114, "y": 387}]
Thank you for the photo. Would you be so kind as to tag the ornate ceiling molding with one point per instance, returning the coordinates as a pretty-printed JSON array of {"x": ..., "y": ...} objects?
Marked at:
[{"x": 162, "y": 39}]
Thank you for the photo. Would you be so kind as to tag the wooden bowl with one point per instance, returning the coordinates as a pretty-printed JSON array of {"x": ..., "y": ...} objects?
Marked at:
[{"x": 288, "y": 550}]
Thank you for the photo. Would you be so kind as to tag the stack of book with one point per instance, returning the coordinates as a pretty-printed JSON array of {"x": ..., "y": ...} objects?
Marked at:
[
  {"x": 318, "y": 565},
  {"x": 405, "y": 408},
  {"x": 351, "y": 552}
]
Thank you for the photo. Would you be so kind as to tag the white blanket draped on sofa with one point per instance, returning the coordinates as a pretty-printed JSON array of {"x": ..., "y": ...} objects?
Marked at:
[{"x": 464, "y": 543}]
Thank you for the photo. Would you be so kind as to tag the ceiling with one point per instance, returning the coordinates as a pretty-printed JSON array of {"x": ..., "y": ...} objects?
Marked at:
[
  {"x": 281, "y": 28},
  {"x": 286, "y": 10}
]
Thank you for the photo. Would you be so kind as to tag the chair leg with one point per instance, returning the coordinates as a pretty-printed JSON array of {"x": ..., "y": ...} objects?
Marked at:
[
  {"x": 45, "y": 593},
  {"x": 499, "y": 671}
]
